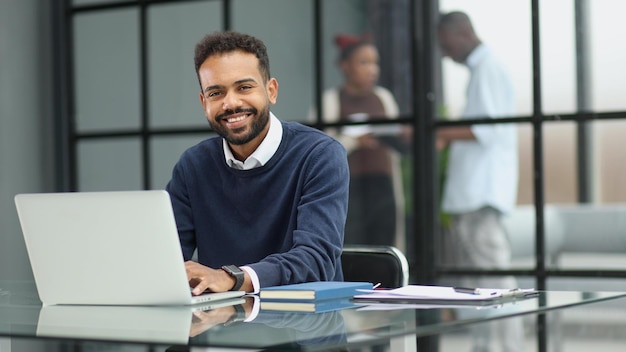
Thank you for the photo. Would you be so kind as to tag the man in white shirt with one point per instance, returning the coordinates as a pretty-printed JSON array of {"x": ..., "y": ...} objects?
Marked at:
[{"x": 482, "y": 174}]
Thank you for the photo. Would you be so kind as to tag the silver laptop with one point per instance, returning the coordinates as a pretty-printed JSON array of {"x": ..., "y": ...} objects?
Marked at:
[{"x": 106, "y": 248}]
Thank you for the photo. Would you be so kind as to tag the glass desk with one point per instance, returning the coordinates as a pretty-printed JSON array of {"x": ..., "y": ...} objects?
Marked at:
[{"x": 27, "y": 326}]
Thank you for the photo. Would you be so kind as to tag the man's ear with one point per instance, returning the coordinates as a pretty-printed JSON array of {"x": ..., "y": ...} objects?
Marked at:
[
  {"x": 272, "y": 90},
  {"x": 203, "y": 103}
]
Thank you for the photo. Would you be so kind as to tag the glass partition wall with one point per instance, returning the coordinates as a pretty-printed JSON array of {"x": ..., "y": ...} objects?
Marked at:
[{"x": 130, "y": 107}]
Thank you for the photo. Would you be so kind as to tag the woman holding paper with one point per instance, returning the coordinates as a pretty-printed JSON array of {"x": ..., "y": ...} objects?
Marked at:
[{"x": 376, "y": 204}]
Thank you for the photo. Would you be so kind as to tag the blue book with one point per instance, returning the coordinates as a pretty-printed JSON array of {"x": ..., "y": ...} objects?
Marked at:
[
  {"x": 326, "y": 305},
  {"x": 312, "y": 291}
]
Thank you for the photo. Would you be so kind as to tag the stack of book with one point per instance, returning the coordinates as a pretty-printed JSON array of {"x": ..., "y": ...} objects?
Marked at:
[{"x": 313, "y": 297}]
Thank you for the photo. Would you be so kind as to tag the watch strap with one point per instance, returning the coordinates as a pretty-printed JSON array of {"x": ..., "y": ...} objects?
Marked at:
[
  {"x": 239, "y": 315},
  {"x": 236, "y": 273}
]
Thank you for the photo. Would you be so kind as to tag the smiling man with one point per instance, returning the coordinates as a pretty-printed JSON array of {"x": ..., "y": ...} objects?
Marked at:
[{"x": 264, "y": 203}]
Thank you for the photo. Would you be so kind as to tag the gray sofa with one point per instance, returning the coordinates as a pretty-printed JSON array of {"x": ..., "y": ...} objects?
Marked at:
[
  {"x": 587, "y": 228},
  {"x": 585, "y": 236}
]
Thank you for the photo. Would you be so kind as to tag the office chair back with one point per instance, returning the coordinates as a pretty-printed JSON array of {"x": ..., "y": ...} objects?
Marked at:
[{"x": 386, "y": 265}]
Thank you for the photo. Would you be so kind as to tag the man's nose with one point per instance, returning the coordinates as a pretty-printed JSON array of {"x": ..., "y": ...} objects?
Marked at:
[{"x": 230, "y": 102}]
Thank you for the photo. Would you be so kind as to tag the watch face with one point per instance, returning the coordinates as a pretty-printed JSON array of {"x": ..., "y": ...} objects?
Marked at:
[{"x": 232, "y": 270}]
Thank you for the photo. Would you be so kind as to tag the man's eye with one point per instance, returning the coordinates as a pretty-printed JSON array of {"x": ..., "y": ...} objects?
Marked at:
[
  {"x": 213, "y": 94},
  {"x": 245, "y": 87}
]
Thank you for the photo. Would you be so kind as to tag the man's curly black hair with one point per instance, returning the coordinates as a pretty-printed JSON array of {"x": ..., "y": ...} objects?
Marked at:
[{"x": 219, "y": 43}]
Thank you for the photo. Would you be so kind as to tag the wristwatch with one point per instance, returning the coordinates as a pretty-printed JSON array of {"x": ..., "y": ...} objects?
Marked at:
[
  {"x": 239, "y": 315},
  {"x": 235, "y": 272}
]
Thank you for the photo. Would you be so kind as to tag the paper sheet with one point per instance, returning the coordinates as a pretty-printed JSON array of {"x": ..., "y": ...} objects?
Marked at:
[{"x": 444, "y": 293}]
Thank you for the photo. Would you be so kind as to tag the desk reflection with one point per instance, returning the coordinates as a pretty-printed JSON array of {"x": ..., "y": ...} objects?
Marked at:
[
  {"x": 192, "y": 326},
  {"x": 283, "y": 330},
  {"x": 155, "y": 324}
]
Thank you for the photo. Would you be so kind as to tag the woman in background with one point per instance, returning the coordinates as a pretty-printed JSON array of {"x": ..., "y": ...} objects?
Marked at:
[{"x": 376, "y": 205}]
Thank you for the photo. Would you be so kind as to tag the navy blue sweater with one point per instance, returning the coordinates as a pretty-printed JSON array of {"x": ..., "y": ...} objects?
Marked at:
[{"x": 285, "y": 219}]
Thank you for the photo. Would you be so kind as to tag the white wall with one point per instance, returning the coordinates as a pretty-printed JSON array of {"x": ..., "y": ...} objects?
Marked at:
[{"x": 25, "y": 157}]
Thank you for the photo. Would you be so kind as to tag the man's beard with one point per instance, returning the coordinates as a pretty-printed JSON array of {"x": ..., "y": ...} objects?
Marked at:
[{"x": 258, "y": 124}]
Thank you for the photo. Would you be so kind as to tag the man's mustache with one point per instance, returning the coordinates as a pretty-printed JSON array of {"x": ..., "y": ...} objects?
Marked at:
[{"x": 229, "y": 113}]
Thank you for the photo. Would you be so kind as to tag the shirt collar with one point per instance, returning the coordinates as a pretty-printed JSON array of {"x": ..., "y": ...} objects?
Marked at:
[
  {"x": 263, "y": 153},
  {"x": 476, "y": 55}
]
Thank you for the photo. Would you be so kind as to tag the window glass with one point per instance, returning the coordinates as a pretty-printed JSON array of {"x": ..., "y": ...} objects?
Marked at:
[
  {"x": 109, "y": 165},
  {"x": 609, "y": 161},
  {"x": 406, "y": 240},
  {"x": 353, "y": 59},
  {"x": 481, "y": 168},
  {"x": 285, "y": 26},
  {"x": 607, "y": 56},
  {"x": 559, "y": 162},
  {"x": 339, "y": 17},
  {"x": 594, "y": 236},
  {"x": 95, "y": 2},
  {"x": 508, "y": 38},
  {"x": 526, "y": 189},
  {"x": 106, "y": 70},
  {"x": 558, "y": 56},
  {"x": 560, "y": 187},
  {"x": 389, "y": 24},
  {"x": 520, "y": 222},
  {"x": 383, "y": 24},
  {"x": 165, "y": 152},
  {"x": 173, "y": 31},
  {"x": 589, "y": 235}
]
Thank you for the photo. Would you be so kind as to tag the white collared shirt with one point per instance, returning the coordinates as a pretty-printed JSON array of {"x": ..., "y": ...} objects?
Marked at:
[
  {"x": 483, "y": 172},
  {"x": 263, "y": 153}
]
